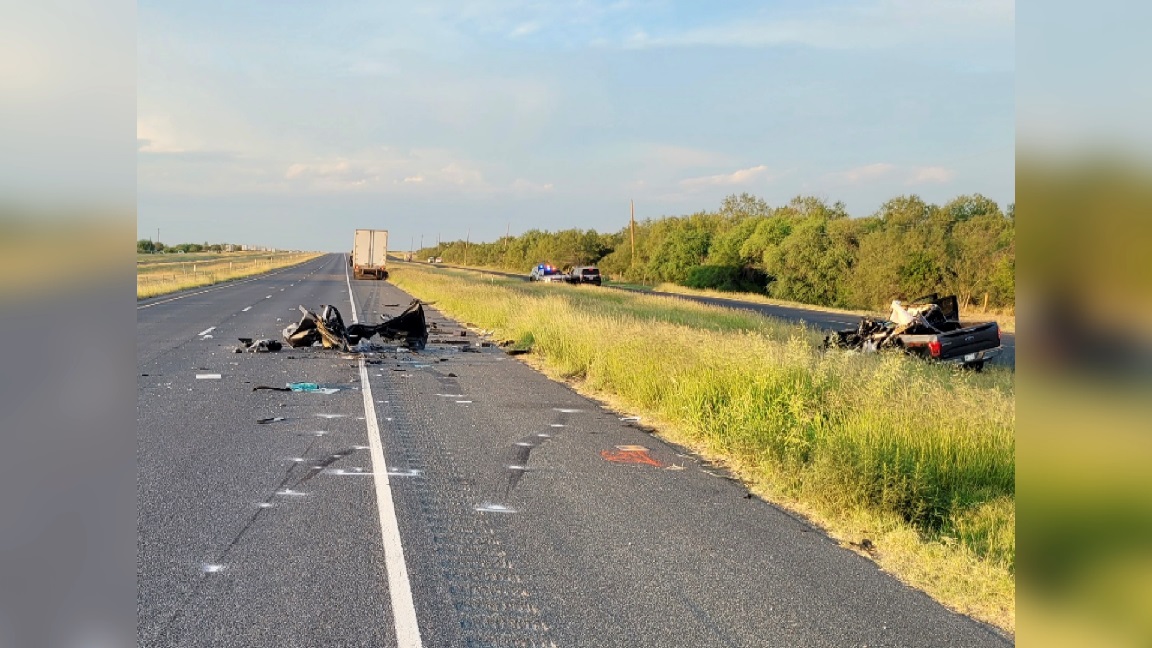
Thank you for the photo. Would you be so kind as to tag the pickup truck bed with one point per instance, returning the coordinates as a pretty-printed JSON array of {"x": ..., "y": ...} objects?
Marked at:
[
  {"x": 936, "y": 333},
  {"x": 970, "y": 345}
]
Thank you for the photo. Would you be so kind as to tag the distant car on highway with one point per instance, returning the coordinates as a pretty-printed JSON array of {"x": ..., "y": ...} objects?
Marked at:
[
  {"x": 585, "y": 274},
  {"x": 547, "y": 273}
]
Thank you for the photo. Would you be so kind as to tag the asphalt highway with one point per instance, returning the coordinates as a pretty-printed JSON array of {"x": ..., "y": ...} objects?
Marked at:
[{"x": 453, "y": 497}]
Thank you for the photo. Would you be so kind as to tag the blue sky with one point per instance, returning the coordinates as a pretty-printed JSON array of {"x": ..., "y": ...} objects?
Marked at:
[{"x": 290, "y": 124}]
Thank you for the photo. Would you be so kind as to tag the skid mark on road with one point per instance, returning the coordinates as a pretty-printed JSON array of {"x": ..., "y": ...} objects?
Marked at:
[{"x": 490, "y": 595}]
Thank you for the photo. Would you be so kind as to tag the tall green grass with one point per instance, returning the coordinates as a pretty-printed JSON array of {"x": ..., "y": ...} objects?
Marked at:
[{"x": 922, "y": 446}]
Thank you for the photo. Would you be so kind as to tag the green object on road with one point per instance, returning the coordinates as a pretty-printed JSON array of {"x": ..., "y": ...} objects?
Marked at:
[{"x": 311, "y": 387}]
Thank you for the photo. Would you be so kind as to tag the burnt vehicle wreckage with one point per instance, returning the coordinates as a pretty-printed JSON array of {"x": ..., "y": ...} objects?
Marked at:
[
  {"x": 928, "y": 327},
  {"x": 329, "y": 330}
]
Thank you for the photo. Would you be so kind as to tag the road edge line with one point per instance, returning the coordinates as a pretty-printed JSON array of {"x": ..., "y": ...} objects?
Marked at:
[{"x": 399, "y": 583}]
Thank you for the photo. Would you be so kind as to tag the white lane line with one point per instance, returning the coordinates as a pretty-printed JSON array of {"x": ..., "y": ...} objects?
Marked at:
[
  {"x": 207, "y": 330},
  {"x": 399, "y": 585},
  {"x": 246, "y": 309},
  {"x": 268, "y": 297},
  {"x": 212, "y": 376}
]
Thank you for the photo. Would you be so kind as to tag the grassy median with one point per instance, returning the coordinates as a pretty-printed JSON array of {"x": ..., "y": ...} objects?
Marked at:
[
  {"x": 908, "y": 462},
  {"x": 159, "y": 274}
]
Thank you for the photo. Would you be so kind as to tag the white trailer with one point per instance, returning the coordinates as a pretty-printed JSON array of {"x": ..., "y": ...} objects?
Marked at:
[{"x": 370, "y": 254}]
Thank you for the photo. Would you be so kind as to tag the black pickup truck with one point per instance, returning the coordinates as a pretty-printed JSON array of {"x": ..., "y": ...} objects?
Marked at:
[{"x": 929, "y": 327}]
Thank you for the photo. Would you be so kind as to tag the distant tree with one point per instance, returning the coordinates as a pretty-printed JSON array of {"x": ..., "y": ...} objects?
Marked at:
[
  {"x": 727, "y": 246},
  {"x": 807, "y": 266},
  {"x": 145, "y": 246},
  {"x": 979, "y": 244},
  {"x": 805, "y": 207},
  {"x": 768, "y": 235},
  {"x": 744, "y": 206}
]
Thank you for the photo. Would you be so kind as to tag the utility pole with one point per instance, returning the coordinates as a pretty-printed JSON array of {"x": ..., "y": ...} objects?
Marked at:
[
  {"x": 467, "y": 243},
  {"x": 507, "y": 235},
  {"x": 157, "y": 240},
  {"x": 632, "y": 229}
]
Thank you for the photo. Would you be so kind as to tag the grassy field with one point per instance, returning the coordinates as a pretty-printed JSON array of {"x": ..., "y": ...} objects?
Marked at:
[
  {"x": 917, "y": 459},
  {"x": 158, "y": 274}
]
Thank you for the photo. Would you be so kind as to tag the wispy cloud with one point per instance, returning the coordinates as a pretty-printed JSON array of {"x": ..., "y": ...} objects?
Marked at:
[
  {"x": 524, "y": 29},
  {"x": 930, "y": 175},
  {"x": 866, "y": 172},
  {"x": 736, "y": 178},
  {"x": 523, "y": 186}
]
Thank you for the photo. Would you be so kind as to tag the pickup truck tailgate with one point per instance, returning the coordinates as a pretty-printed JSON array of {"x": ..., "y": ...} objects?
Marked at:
[{"x": 969, "y": 340}]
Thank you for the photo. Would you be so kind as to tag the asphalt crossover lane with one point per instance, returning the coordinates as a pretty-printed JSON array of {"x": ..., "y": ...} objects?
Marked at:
[{"x": 524, "y": 513}]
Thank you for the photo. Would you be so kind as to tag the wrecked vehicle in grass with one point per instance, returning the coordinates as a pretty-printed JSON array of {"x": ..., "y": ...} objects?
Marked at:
[
  {"x": 328, "y": 328},
  {"x": 928, "y": 327}
]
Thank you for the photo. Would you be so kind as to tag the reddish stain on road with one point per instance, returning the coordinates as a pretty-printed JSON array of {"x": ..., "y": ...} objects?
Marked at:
[{"x": 630, "y": 454}]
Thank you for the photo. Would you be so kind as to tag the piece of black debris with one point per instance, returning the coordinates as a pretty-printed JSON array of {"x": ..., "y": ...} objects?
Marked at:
[
  {"x": 328, "y": 328},
  {"x": 248, "y": 345},
  {"x": 452, "y": 375},
  {"x": 515, "y": 352},
  {"x": 274, "y": 419},
  {"x": 260, "y": 387}
]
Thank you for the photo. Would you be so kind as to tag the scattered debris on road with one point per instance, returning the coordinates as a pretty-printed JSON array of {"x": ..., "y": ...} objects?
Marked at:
[
  {"x": 299, "y": 387},
  {"x": 635, "y": 454},
  {"x": 328, "y": 329},
  {"x": 248, "y": 345}
]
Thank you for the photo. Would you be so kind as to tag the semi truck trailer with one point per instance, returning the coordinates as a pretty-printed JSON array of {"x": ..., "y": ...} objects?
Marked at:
[{"x": 370, "y": 254}]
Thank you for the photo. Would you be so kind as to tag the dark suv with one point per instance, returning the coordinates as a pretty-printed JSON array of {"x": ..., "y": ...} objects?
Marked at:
[{"x": 585, "y": 274}]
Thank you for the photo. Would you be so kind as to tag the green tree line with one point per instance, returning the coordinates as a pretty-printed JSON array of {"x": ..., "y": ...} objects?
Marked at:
[
  {"x": 146, "y": 246},
  {"x": 808, "y": 251}
]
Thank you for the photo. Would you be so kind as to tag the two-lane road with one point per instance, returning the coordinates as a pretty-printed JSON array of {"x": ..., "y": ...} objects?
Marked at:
[{"x": 453, "y": 498}]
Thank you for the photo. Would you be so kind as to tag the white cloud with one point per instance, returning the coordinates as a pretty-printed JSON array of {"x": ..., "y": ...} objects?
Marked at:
[
  {"x": 156, "y": 135},
  {"x": 522, "y": 186},
  {"x": 524, "y": 29},
  {"x": 931, "y": 174},
  {"x": 415, "y": 178},
  {"x": 739, "y": 177},
  {"x": 865, "y": 172}
]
